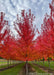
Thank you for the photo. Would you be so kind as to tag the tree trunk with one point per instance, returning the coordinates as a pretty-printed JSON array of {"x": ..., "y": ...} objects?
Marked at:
[
  {"x": 26, "y": 67},
  {"x": 43, "y": 61},
  {"x": 49, "y": 64},
  {"x": 8, "y": 63}
]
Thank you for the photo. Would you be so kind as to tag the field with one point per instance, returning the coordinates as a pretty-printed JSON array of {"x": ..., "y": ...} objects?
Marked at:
[
  {"x": 46, "y": 64},
  {"x": 13, "y": 71},
  {"x": 17, "y": 69}
]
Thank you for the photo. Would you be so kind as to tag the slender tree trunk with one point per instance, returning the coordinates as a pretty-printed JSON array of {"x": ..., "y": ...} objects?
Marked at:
[
  {"x": 49, "y": 64},
  {"x": 1, "y": 64},
  {"x": 13, "y": 62},
  {"x": 26, "y": 67},
  {"x": 43, "y": 61},
  {"x": 8, "y": 63},
  {"x": 35, "y": 60}
]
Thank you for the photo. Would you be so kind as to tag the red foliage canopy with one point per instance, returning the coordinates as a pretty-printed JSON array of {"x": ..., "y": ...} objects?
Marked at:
[{"x": 25, "y": 47}]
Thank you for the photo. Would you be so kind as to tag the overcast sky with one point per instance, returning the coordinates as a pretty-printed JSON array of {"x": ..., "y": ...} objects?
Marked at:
[{"x": 12, "y": 7}]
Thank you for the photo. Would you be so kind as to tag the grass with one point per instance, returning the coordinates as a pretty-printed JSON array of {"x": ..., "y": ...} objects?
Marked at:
[
  {"x": 46, "y": 64},
  {"x": 6, "y": 65},
  {"x": 3, "y": 62},
  {"x": 13, "y": 71},
  {"x": 37, "y": 69}
]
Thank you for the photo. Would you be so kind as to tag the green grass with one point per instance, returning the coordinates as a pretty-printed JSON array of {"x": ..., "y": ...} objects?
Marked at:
[
  {"x": 3, "y": 66},
  {"x": 37, "y": 69},
  {"x": 13, "y": 71},
  {"x": 3, "y": 62},
  {"x": 46, "y": 64},
  {"x": 6, "y": 65}
]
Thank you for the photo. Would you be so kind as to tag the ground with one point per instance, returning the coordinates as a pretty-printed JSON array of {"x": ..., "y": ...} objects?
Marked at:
[{"x": 33, "y": 67}]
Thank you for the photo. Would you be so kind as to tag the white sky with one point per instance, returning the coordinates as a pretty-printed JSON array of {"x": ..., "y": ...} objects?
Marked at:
[{"x": 12, "y": 7}]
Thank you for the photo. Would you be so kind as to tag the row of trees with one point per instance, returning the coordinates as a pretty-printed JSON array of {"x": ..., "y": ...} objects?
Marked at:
[{"x": 25, "y": 47}]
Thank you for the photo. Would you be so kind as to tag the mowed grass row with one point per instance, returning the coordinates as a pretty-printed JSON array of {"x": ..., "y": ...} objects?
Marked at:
[
  {"x": 13, "y": 71},
  {"x": 6, "y": 63},
  {"x": 37, "y": 69},
  {"x": 46, "y": 64},
  {"x": 3, "y": 62}
]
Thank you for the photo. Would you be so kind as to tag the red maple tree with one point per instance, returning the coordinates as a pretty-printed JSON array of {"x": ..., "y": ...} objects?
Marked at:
[
  {"x": 45, "y": 42},
  {"x": 26, "y": 32},
  {"x": 3, "y": 29}
]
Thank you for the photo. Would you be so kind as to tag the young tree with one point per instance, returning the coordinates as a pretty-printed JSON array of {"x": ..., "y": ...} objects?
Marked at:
[
  {"x": 48, "y": 30},
  {"x": 3, "y": 23},
  {"x": 26, "y": 32},
  {"x": 3, "y": 30},
  {"x": 46, "y": 39}
]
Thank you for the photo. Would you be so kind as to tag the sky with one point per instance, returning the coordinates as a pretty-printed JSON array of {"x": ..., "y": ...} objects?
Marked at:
[{"x": 12, "y": 7}]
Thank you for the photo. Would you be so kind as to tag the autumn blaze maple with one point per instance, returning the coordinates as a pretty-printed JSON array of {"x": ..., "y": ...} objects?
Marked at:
[
  {"x": 25, "y": 47},
  {"x": 3, "y": 29},
  {"x": 26, "y": 32},
  {"x": 3, "y": 23},
  {"x": 45, "y": 42}
]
